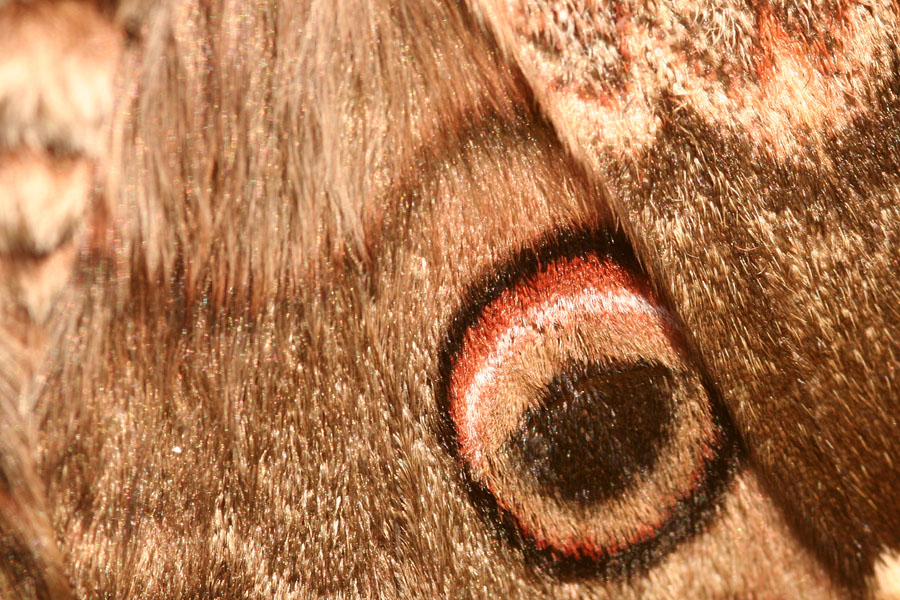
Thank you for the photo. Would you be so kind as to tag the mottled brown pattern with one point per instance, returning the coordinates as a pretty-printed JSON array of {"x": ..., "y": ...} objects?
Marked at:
[
  {"x": 237, "y": 393},
  {"x": 811, "y": 307},
  {"x": 766, "y": 161},
  {"x": 782, "y": 75},
  {"x": 57, "y": 67}
]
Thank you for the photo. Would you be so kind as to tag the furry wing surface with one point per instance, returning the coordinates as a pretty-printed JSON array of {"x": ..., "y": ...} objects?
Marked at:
[
  {"x": 756, "y": 168},
  {"x": 257, "y": 238}
]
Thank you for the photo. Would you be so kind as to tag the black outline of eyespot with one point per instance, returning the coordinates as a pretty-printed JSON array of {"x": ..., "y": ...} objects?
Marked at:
[{"x": 690, "y": 516}]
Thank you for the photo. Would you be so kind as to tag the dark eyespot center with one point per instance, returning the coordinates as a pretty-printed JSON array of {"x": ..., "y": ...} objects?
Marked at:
[{"x": 596, "y": 429}]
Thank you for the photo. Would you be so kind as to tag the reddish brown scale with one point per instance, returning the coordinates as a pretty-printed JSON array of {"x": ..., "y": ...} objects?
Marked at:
[
  {"x": 560, "y": 279},
  {"x": 512, "y": 323}
]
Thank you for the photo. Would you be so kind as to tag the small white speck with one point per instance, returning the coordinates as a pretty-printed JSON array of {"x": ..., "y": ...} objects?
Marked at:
[{"x": 176, "y": 449}]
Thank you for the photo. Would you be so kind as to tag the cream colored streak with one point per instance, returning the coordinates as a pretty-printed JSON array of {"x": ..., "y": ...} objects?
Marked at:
[
  {"x": 559, "y": 311},
  {"x": 886, "y": 581},
  {"x": 776, "y": 96}
]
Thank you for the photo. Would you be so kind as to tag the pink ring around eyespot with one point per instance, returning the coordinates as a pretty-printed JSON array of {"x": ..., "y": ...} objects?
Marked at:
[{"x": 585, "y": 287}]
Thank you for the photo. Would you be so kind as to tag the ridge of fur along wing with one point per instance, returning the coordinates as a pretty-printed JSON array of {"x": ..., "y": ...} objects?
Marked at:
[
  {"x": 751, "y": 149},
  {"x": 250, "y": 250}
]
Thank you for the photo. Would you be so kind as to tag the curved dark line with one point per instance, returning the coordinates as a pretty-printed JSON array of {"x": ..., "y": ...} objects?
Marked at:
[{"x": 689, "y": 515}]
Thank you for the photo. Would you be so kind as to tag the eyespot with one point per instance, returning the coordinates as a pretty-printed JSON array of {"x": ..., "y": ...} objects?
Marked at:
[{"x": 574, "y": 408}]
